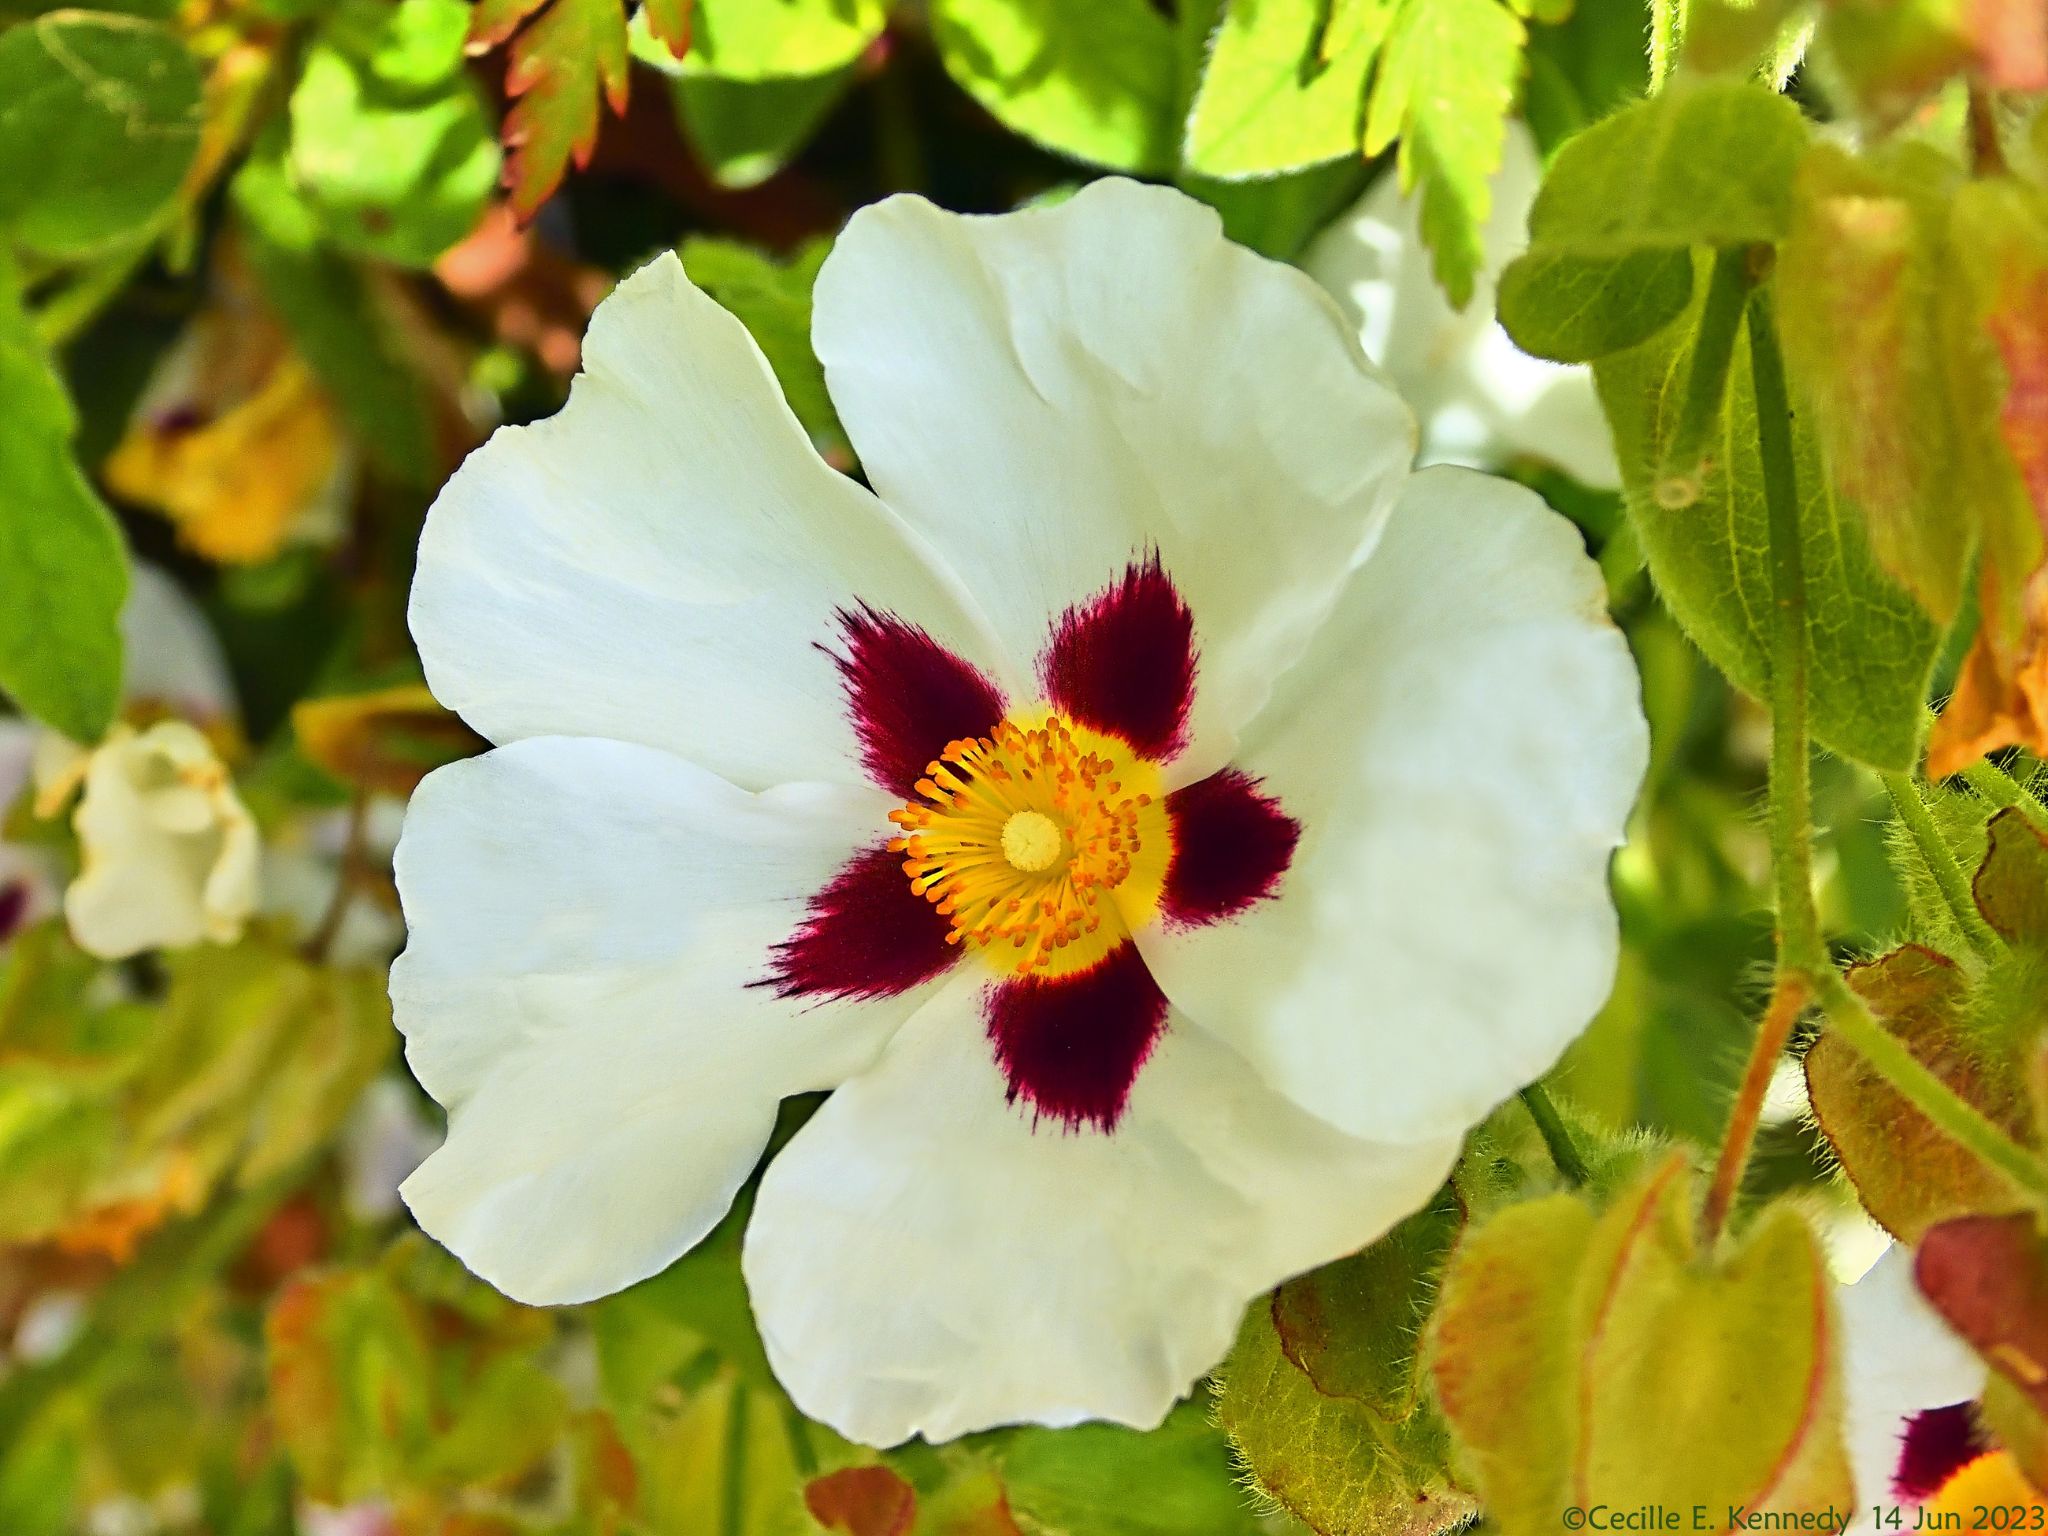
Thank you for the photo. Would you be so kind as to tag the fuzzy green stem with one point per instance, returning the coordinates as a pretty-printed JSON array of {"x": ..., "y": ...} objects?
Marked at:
[
  {"x": 1791, "y": 786},
  {"x": 1550, "y": 1125},
  {"x": 1706, "y": 384},
  {"x": 1955, "y": 1117},
  {"x": 1941, "y": 863},
  {"x": 1667, "y": 36},
  {"x": 2005, "y": 792}
]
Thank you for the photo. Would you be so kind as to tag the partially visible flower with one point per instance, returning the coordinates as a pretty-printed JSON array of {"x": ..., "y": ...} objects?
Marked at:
[
  {"x": 29, "y": 881},
  {"x": 1909, "y": 1388},
  {"x": 1482, "y": 400},
  {"x": 234, "y": 440},
  {"x": 308, "y": 856},
  {"x": 168, "y": 851},
  {"x": 1164, "y": 822}
]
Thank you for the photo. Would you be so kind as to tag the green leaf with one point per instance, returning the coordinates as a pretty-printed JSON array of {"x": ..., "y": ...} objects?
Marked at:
[
  {"x": 1445, "y": 86},
  {"x": 1103, "y": 1480},
  {"x": 1323, "y": 1396},
  {"x": 1093, "y": 79},
  {"x": 1587, "y": 1359},
  {"x": 1872, "y": 648},
  {"x": 1573, "y": 309},
  {"x": 1284, "y": 86},
  {"x": 745, "y": 132},
  {"x": 561, "y": 64},
  {"x": 99, "y": 123},
  {"x": 326, "y": 304},
  {"x": 1709, "y": 163},
  {"x": 66, "y": 565},
  {"x": 389, "y": 142},
  {"x": 1863, "y": 273},
  {"x": 780, "y": 39},
  {"x": 773, "y": 301}
]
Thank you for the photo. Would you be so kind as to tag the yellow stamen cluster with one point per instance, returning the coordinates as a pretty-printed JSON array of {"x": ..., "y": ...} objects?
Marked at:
[{"x": 1020, "y": 836}]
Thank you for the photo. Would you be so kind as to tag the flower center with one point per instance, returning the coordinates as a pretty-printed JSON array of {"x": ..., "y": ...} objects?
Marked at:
[{"x": 1041, "y": 843}]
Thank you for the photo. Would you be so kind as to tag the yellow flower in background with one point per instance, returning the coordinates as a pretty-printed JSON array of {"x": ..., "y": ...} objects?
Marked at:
[{"x": 235, "y": 441}]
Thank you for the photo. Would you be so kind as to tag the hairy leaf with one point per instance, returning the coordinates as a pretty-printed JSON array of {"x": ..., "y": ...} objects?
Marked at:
[
  {"x": 1586, "y": 1360},
  {"x": 747, "y": 131},
  {"x": 780, "y": 39},
  {"x": 1872, "y": 647}
]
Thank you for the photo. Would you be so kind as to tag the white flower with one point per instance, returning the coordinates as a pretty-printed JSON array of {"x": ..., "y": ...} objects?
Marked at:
[
  {"x": 1166, "y": 823},
  {"x": 1908, "y": 1385},
  {"x": 1482, "y": 399},
  {"x": 166, "y": 846},
  {"x": 168, "y": 853}
]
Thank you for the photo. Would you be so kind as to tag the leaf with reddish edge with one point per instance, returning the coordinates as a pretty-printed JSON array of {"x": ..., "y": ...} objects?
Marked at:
[
  {"x": 862, "y": 1501},
  {"x": 1988, "y": 1277},
  {"x": 1906, "y": 1172},
  {"x": 563, "y": 58},
  {"x": 2011, "y": 885},
  {"x": 1998, "y": 358},
  {"x": 1588, "y": 1359},
  {"x": 669, "y": 21}
]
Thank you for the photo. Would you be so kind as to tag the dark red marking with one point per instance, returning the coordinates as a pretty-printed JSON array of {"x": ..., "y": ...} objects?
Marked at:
[
  {"x": 908, "y": 696},
  {"x": 1124, "y": 661},
  {"x": 13, "y": 907},
  {"x": 1937, "y": 1444},
  {"x": 1231, "y": 845},
  {"x": 866, "y": 935},
  {"x": 1071, "y": 1046}
]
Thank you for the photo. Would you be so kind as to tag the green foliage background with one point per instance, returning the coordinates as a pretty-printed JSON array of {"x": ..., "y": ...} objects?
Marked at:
[{"x": 249, "y": 1351}]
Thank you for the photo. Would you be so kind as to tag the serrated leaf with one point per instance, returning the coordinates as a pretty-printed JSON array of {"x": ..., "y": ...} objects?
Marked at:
[
  {"x": 1906, "y": 1172},
  {"x": 780, "y": 39},
  {"x": 1445, "y": 85},
  {"x": 562, "y": 61},
  {"x": 99, "y": 123},
  {"x": 671, "y": 22},
  {"x": 1873, "y": 649},
  {"x": 1604, "y": 1360},
  {"x": 1284, "y": 87},
  {"x": 66, "y": 563},
  {"x": 1093, "y": 79}
]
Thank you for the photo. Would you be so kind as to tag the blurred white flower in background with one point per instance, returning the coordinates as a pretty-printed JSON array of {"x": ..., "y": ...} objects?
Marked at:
[{"x": 1481, "y": 400}]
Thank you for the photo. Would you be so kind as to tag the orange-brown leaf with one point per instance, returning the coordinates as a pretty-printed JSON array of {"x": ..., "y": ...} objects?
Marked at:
[
  {"x": 862, "y": 1501},
  {"x": 562, "y": 61}
]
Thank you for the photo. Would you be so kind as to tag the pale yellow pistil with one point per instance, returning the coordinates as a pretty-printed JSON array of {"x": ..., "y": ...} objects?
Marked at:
[{"x": 1040, "y": 843}]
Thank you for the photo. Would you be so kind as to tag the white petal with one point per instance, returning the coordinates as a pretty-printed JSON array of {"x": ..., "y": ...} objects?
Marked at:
[
  {"x": 1481, "y": 398},
  {"x": 1047, "y": 395},
  {"x": 660, "y": 561},
  {"x": 170, "y": 656},
  {"x": 586, "y": 919},
  {"x": 1900, "y": 1360},
  {"x": 923, "y": 1261},
  {"x": 168, "y": 851},
  {"x": 1461, "y": 748}
]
